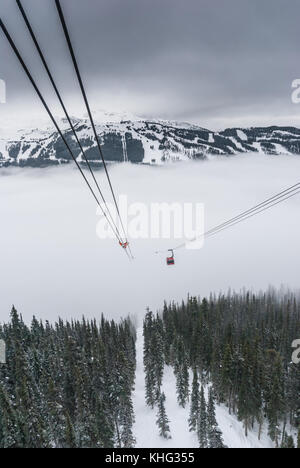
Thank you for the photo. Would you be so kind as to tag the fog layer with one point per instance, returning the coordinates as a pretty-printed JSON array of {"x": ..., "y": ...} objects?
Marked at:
[{"x": 53, "y": 264}]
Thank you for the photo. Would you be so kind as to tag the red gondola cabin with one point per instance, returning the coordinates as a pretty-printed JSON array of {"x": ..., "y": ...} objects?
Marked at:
[{"x": 171, "y": 259}]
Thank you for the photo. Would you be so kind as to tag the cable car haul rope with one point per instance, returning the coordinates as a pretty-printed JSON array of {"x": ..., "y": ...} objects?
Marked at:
[
  {"x": 121, "y": 238},
  {"x": 43, "y": 59},
  {"x": 257, "y": 209}
]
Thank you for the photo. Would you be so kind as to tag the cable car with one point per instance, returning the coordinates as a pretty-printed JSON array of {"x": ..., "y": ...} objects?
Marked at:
[
  {"x": 171, "y": 259},
  {"x": 124, "y": 245}
]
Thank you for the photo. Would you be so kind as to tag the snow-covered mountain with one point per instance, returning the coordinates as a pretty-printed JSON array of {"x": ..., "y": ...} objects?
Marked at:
[{"x": 128, "y": 138}]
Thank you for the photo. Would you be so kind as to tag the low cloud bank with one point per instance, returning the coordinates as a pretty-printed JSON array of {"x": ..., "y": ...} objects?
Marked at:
[{"x": 53, "y": 264}]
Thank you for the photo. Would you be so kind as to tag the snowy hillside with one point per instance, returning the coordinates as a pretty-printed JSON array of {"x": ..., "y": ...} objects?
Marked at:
[
  {"x": 129, "y": 138},
  {"x": 146, "y": 431}
]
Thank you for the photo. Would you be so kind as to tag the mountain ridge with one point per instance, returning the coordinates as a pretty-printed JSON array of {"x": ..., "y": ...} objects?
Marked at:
[{"x": 142, "y": 141}]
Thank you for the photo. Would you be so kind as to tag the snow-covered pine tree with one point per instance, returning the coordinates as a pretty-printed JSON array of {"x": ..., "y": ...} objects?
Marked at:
[
  {"x": 240, "y": 343},
  {"x": 215, "y": 437},
  {"x": 70, "y": 439},
  {"x": 10, "y": 432},
  {"x": 182, "y": 373},
  {"x": 149, "y": 369},
  {"x": 195, "y": 403},
  {"x": 202, "y": 422},
  {"x": 287, "y": 442},
  {"x": 162, "y": 419},
  {"x": 67, "y": 384},
  {"x": 158, "y": 360},
  {"x": 274, "y": 395}
]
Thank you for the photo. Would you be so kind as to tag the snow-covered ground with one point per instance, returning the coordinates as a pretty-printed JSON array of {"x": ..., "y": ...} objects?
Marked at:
[{"x": 146, "y": 430}]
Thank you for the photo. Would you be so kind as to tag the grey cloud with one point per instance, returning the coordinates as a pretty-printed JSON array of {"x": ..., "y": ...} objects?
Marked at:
[{"x": 210, "y": 61}]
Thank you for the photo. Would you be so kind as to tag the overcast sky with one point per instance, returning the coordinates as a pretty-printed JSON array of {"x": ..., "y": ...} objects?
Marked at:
[{"x": 214, "y": 62}]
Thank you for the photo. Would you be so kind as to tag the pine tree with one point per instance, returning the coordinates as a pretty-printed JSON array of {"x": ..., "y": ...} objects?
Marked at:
[
  {"x": 162, "y": 419},
  {"x": 70, "y": 439},
  {"x": 240, "y": 343},
  {"x": 67, "y": 385},
  {"x": 11, "y": 431},
  {"x": 149, "y": 367},
  {"x": 181, "y": 373},
  {"x": 202, "y": 422},
  {"x": 127, "y": 420},
  {"x": 287, "y": 441},
  {"x": 195, "y": 404},
  {"x": 275, "y": 396},
  {"x": 104, "y": 424},
  {"x": 245, "y": 409},
  {"x": 215, "y": 438}
]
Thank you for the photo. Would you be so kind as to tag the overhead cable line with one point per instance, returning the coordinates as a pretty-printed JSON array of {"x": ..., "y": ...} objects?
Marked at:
[
  {"x": 257, "y": 209},
  {"x": 25, "y": 68},
  {"x": 50, "y": 75},
  {"x": 253, "y": 211},
  {"x": 75, "y": 63},
  {"x": 275, "y": 203}
]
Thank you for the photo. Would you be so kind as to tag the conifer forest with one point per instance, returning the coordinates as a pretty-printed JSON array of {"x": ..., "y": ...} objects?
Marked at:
[{"x": 71, "y": 384}]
